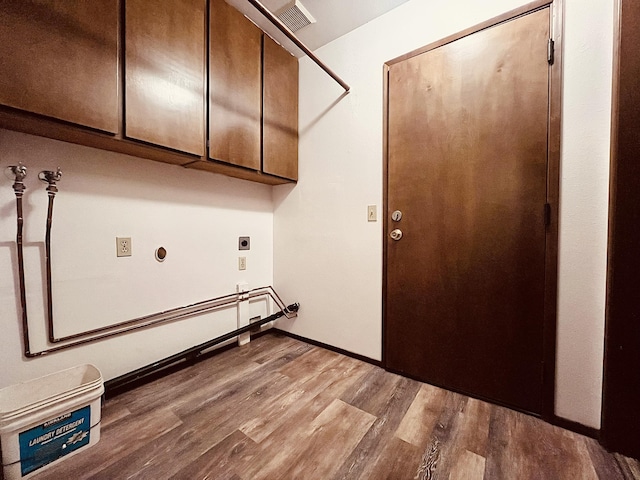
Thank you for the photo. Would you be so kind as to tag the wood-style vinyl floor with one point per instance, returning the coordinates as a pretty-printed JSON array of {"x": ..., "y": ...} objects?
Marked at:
[{"x": 279, "y": 408}]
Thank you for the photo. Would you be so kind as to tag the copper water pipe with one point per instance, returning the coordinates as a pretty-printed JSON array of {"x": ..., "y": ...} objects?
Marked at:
[
  {"x": 20, "y": 172},
  {"x": 178, "y": 313},
  {"x": 130, "y": 325},
  {"x": 50, "y": 178}
]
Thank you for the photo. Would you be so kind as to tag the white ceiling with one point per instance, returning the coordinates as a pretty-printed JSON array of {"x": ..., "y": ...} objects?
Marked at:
[{"x": 334, "y": 18}]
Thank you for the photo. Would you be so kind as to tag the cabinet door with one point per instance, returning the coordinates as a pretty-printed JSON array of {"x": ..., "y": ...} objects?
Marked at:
[
  {"x": 59, "y": 58},
  {"x": 164, "y": 73},
  {"x": 235, "y": 70},
  {"x": 280, "y": 112}
]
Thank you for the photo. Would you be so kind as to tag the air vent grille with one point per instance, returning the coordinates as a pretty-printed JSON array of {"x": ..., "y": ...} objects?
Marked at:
[{"x": 295, "y": 16}]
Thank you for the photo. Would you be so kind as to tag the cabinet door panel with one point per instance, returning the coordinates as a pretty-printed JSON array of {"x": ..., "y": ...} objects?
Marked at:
[
  {"x": 280, "y": 112},
  {"x": 164, "y": 73},
  {"x": 59, "y": 58},
  {"x": 235, "y": 70}
]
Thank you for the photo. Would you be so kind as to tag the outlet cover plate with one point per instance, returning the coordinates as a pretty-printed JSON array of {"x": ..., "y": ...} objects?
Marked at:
[
  {"x": 123, "y": 246},
  {"x": 244, "y": 243}
]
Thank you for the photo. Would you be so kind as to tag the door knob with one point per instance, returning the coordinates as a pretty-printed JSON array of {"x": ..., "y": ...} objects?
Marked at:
[{"x": 396, "y": 234}]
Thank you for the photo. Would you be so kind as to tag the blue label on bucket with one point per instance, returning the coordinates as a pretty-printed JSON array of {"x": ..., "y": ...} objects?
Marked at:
[{"x": 54, "y": 438}]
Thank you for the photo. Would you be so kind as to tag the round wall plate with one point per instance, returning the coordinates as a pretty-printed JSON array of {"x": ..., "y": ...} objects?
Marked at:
[{"x": 161, "y": 254}]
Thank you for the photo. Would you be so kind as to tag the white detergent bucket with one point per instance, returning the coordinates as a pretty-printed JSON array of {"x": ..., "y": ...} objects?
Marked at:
[{"x": 47, "y": 419}]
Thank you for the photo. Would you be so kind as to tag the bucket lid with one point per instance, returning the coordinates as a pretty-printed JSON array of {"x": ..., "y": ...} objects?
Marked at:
[{"x": 32, "y": 394}]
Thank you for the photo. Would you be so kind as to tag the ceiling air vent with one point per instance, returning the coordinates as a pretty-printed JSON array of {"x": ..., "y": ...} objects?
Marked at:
[{"x": 295, "y": 16}]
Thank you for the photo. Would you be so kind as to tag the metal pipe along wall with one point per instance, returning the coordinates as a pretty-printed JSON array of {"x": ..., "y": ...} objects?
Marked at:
[{"x": 120, "y": 328}]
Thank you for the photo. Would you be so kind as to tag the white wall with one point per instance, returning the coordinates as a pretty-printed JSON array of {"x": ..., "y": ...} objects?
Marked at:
[
  {"x": 329, "y": 257},
  {"x": 196, "y": 216},
  {"x": 584, "y": 209}
]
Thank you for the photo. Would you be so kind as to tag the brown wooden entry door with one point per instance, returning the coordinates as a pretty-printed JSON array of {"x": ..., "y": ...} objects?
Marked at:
[{"x": 467, "y": 168}]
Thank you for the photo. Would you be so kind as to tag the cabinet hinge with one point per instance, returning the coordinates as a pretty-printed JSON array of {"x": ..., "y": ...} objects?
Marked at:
[
  {"x": 551, "y": 51},
  {"x": 547, "y": 214}
]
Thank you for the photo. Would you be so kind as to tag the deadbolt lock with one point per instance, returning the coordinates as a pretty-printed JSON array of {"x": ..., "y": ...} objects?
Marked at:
[
  {"x": 396, "y": 234},
  {"x": 396, "y": 216}
]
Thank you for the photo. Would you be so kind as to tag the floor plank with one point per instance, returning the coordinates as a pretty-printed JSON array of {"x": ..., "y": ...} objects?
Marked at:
[
  {"x": 335, "y": 432},
  {"x": 291, "y": 432},
  {"x": 469, "y": 466},
  {"x": 629, "y": 467},
  {"x": 417, "y": 425},
  {"x": 601, "y": 460},
  {"x": 279, "y": 408},
  {"x": 217, "y": 462},
  {"x": 389, "y": 414},
  {"x": 398, "y": 460},
  {"x": 441, "y": 452},
  {"x": 201, "y": 430}
]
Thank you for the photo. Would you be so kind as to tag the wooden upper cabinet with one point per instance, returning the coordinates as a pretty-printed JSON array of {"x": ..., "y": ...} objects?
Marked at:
[
  {"x": 137, "y": 73},
  {"x": 235, "y": 82},
  {"x": 280, "y": 111},
  {"x": 165, "y": 73},
  {"x": 59, "y": 58}
]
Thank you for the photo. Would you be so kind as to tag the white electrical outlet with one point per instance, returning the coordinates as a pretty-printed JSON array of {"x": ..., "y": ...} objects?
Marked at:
[
  {"x": 242, "y": 263},
  {"x": 123, "y": 246}
]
